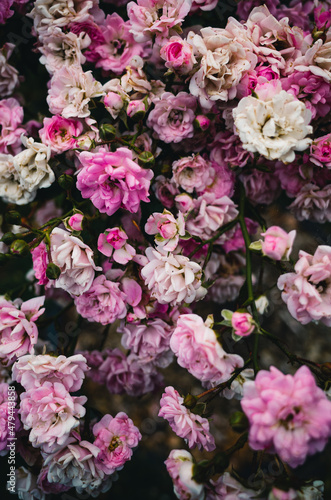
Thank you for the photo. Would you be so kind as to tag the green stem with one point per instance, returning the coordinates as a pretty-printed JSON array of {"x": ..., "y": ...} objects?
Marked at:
[{"x": 219, "y": 233}]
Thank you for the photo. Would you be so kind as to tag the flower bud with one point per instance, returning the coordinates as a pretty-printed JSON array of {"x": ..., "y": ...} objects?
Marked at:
[
  {"x": 53, "y": 271},
  {"x": 8, "y": 238},
  {"x": 13, "y": 217},
  {"x": 201, "y": 122},
  {"x": 136, "y": 110},
  {"x": 190, "y": 401},
  {"x": 238, "y": 421},
  {"x": 65, "y": 181},
  {"x": 19, "y": 247},
  {"x": 242, "y": 323},
  {"x": 75, "y": 222},
  {"x": 146, "y": 159},
  {"x": 107, "y": 132}
]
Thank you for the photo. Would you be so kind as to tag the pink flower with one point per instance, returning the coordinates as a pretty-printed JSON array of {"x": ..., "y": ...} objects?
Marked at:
[
  {"x": 150, "y": 341},
  {"x": 173, "y": 116},
  {"x": 307, "y": 292},
  {"x": 242, "y": 324},
  {"x": 204, "y": 5},
  {"x": 322, "y": 17},
  {"x": 59, "y": 133},
  {"x": 40, "y": 263},
  {"x": 156, "y": 17},
  {"x": 51, "y": 413},
  {"x": 136, "y": 108},
  {"x": 113, "y": 243},
  {"x": 75, "y": 222},
  {"x": 32, "y": 371},
  {"x": 312, "y": 203},
  {"x": 94, "y": 360},
  {"x": 203, "y": 122},
  {"x": 288, "y": 415},
  {"x": 5, "y": 12},
  {"x": 9, "y": 75},
  {"x": 103, "y": 302},
  {"x": 227, "y": 150},
  {"x": 277, "y": 243},
  {"x": 222, "y": 182},
  {"x": 113, "y": 103},
  {"x": 113, "y": 180},
  {"x": 178, "y": 55},
  {"x": 94, "y": 32},
  {"x": 126, "y": 374},
  {"x": 115, "y": 437},
  {"x": 11, "y": 116},
  {"x": 118, "y": 47},
  {"x": 227, "y": 487},
  {"x": 192, "y": 172},
  {"x": 19, "y": 333},
  {"x": 165, "y": 191},
  {"x": 167, "y": 229},
  {"x": 75, "y": 260},
  {"x": 209, "y": 214},
  {"x": 197, "y": 349},
  {"x": 172, "y": 279},
  {"x": 180, "y": 468},
  {"x": 261, "y": 187},
  {"x": 193, "y": 428},
  {"x": 320, "y": 151}
]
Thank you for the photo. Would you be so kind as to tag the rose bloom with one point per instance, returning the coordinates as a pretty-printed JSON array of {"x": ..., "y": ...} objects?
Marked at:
[
  {"x": 11, "y": 116},
  {"x": 113, "y": 243},
  {"x": 179, "y": 465},
  {"x": 113, "y": 180},
  {"x": 26, "y": 485},
  {"x": 172, "y": 279},
  {"x": 187, "y": 425},
  {"x": 40, "y": 263},
  {"x": 288, "y": 415},
  {"x": 150, "y": 341},
  {"x": 307, "y": 291},
  {"x": 167, "y": 229},
  {"x": 51, "y": 413},
  {"x": 165, "y": 191},
  {"x": 115, "y": 437},
  {"x": 75, "y": 222},
  {"x": 227, "y": 150},
  {"x": 9, "y": 79},
  {"x": 277, "y": 243},
  {"x": 198, "y": 350},
  {"x": 242, "y": 324},
  {"x": 203, "y": 5},
  {"x": 75, "y": 260},
  {"x": 32, "y": 371},
  {"x": 178, "y": 55},
  {"x": 19, "y": 332},
  {"x": 274, "y": 125},
  {"x": 192, "y": 172},
  {"x": 60, "y": 133},
  {"x": 312, "y": 203},
  {"x": 172, "y": 118},
  {"x": 118, "y": 47},
  {"x": 103, "y": 302},
  {"x": 227, "y": 487},
  {"x": 261, "y": 187},
  {"x": 320, "y": 151}
]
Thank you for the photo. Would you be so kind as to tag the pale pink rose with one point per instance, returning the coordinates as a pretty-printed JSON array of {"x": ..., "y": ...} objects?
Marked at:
[
  {"x": 227, "y": 150},
  {"x": 312, "y": 203},
  {"x": 156, "y": 17},
  {"x": 103, "y": 302},
  {"x": 93, "y": 30},
  {"x": 172, "y": 279},
  {"x": 210, "y": 214},
  {"x": 244, "y": 7},
  {"x": 178, "y": 55},
  {"x": 115, "y": 437},
  {"x": 288, "y": 415},
  {"x": 227, "y": 487},
  {"x": 192, "y": 172},
  {"x": 11, "y": 116},
  {"x": 320, "y": 151},
  {"x": 40, "y": 263},
  {"x": 198, "y": 350},
  {"x": 261, "y": 187},
  {"x": 180, "y": 468},
  {"x": 60, "y": 133},
  {"x": 277, "y": 243},
  {"x": 19, "y": 332},
  {"x": 9, "y": 78},
  {"x": 71, "y": 91},
  {"x": 51, "y": 414},
  {"x": 113, "y": 103},
  {"x": 113, "y": 180},
  {"x": 94, "y": 360},
  {"x": 187, "y": 425},
  {"x": 165, "y": 191},
  {"x": 126, "y": 374},
  {"x": 32, "y": 371},
  {"x": 223, "y": 181},
  {"x": 75, "y": 260},
  {"x": 136, "y": 108},
  {"x": 184, "y": 203},
  {"x": 172, "y": 118},
  {"x": 204, "y": 5},
  {"x": 307, "y": 292},
  {"x": 150, "y": 341},
  {"x": 75, "y": 222},
  {"x": 113, "y": 243},
  {"x": 118, "y": 47},
  {"x": 242, "y": 324},
  {"x": 167, "y": 229}
]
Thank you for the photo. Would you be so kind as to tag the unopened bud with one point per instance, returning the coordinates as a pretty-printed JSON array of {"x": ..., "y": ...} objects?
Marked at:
[
  {"x": 146, "y": 159},
  {"x": 136, "y": 110},
  {"x": 190, "y": 401},
  {"x": 107, "y": 132},
  {"x": 8, "y": 238},
  {"x": 65, "y": 181},
  {"x": 238, "y": 421},
  {"x": 53, "y": 271},
  {"x": 19, "y": 247},
  {"x": 201, "y": 122},
  {"x": 13, "y": 217}
]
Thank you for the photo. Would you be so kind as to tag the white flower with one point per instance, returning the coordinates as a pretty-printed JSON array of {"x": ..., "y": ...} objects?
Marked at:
[
  {"x": 172, "y": 279},
  {"x": 71, "y": 91},
  {"x": 75, "y": 259},
  {"x": 226, "y": 55},
  {"x": 8, "y": 74},
  {"x": 10, "y": 189},
  {"x": 32, "y": 167},
  {"x": 275, "y": 124},
  {"x": 26, "y": 485}
]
